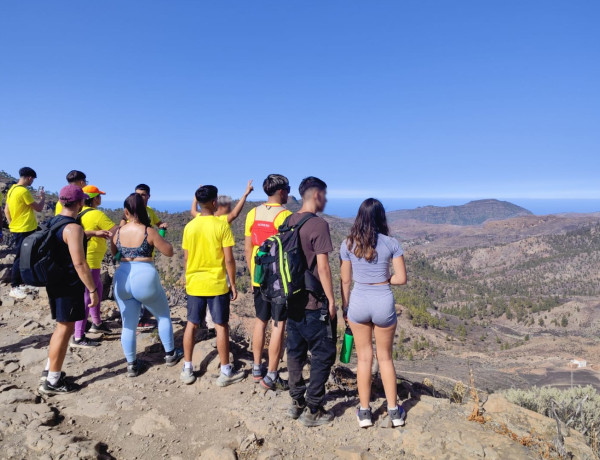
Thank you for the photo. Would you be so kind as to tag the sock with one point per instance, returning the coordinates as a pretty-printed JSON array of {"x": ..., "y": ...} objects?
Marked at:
[
  {"x": 187, "y": 365},
  {"x": 47, "y": 365},
  {"x": 393, "y": 408},
  {"x": 226, "y": 369},
  {"x": 255, "y": 367},
  {"x": 53, "y": 377},
  {"x": 362, "y": 408},
  {"x": 170, "y": 353},
  {"x": 272, "y": 375}
]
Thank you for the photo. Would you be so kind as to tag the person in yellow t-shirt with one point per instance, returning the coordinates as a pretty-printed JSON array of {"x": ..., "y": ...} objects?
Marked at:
[
  {"x": 19, "y": 212},
  {"x": 74, "y": 177},
  {"x": 98, "y": 228},
  {"x": 261, "y": 223},
  {"x": 208, "y": 252},
  {"x": 225, "y": 213}
]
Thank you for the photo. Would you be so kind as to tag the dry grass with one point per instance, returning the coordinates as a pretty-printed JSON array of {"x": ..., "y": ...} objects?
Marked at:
[{"x": 476, "y": 413}]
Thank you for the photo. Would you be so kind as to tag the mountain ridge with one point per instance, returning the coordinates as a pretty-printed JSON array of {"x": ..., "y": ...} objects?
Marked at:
[{"x": 472, "y": 213}]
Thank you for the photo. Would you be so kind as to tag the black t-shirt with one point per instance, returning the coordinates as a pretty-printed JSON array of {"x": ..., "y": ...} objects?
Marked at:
[{"x": 315, "y": 239}]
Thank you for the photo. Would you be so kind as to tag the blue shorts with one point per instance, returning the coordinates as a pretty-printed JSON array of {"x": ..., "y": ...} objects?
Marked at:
[
  {"x": 372, "y": 304},
  {"x": 218, "y": 306}
]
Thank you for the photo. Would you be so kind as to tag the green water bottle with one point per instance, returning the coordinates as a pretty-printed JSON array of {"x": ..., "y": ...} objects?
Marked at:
[
  {"x": 347, "y": 346},
  {"x": 258, "y": 270},
  {"x": 162, "y": 232}
]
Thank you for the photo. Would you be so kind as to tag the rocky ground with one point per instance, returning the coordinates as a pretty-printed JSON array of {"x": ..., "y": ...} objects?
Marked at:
[{"x": 155, "y": 416}]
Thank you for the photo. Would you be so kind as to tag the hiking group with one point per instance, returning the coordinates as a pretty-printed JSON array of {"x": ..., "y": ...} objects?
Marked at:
[{"x": 288, "y": 258}]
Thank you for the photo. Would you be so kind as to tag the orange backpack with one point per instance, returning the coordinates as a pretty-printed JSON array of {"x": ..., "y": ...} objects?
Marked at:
[{"x": 264, "y": 223}]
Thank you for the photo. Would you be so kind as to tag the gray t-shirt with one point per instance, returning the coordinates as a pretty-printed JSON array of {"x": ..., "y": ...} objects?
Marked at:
[{"x": 377, "y": 271}]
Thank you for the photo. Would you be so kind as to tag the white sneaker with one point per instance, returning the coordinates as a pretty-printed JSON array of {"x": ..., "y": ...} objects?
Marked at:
[
  {"x": 226, "y": 380},
  {"x": 17, "y": 293},
  {"x": 28, "y": 289}
]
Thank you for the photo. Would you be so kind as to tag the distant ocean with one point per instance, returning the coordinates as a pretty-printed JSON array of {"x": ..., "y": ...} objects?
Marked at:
[{"x": 347, "y": 207}]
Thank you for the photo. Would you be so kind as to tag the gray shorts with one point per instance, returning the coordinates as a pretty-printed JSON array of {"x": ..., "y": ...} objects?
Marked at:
[{"x": 372, "y": 304}]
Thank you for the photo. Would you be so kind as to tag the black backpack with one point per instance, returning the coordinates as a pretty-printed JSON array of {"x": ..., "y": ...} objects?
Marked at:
[
  {"x": 38, "y": 264},
  {"x": 281, "y": 267}
]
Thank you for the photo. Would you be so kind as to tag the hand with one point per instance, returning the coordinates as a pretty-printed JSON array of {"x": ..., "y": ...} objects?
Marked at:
[
  {"x": 41, "y": 193},
  {"x": 94, "y": 299},
  {"x": 163, "y": 225},
  {"x": 332, "y": 310},
  {"x": 249, "y": 188},
  {"x": 234, "y": 293},
  {"x": 102, "y": 234},
  {"x": 345, "y": 313}
]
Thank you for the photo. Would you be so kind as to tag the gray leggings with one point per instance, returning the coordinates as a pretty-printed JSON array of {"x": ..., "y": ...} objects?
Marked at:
[{"x": 372, "y": 304}]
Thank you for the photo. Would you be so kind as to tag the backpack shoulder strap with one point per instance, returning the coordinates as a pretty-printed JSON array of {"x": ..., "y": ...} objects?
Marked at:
[
  {"x": 286, "y": 223},
  {"x": 56, "y": 226},
  {"x": 12, "y": 189},
  {"x": 83, "y": 213}
]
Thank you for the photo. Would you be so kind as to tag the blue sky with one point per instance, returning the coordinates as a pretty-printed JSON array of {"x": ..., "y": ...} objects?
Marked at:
[{"x": 387, "y": 98}]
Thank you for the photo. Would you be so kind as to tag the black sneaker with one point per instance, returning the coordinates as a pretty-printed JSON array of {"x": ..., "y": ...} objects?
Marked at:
[
  {"x": 364, "y": 417},
  {"x": 319, "y": 417},
  {"x": 277, "y": 384},
  {"x": 136, "y": 368},
  {"x": 101, "y": 328},
  {"x": 44, "y": 376},
  {"x": 83, "y": 342},
  {"x": 295, "y": 409},
  {"x": 173, "y": 359},
  {"x": 60, "y": 387},
  {"x": 88, "y": 325}
]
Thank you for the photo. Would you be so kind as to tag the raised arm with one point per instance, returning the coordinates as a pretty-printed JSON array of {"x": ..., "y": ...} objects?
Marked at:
[
  {"x": 159, "y": 242},
  {"x": 399, "y": 277},
  {"x": 194, "y": 210},
  {"x": 240, "y": 204},
  {"x": 39, "y": 205},
  {"x": 325, "y": 276}
]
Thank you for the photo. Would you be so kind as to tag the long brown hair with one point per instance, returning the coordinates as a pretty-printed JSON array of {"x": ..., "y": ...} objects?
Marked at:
[
  {"x": 134, "y": 203},
  {"x": 369, "y": 222}
]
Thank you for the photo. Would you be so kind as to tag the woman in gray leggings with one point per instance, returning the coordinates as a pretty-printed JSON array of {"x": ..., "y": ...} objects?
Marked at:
[{"x": 365, "y": 259}]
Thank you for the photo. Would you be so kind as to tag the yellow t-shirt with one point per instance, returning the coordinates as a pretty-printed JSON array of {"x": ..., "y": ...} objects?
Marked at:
[
  {"x": 22, "y": 217},
  {"x": 96, "y": 247},
  {"x": 154, "y": 220},
  {"x": 58, "y": 208},
  {"x": 204, "y": 238},
  {"x": 248, "y": 230}
]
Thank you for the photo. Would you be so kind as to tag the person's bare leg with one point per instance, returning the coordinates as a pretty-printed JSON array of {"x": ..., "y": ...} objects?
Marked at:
[
  {"x": 384, "y": 341},
  {"x": 223, "y": 342},
  {"x": 363, "y": 341},
  {"x": 258, "y": 339},
  {"x": 188, "y": 341},
  {"x": 275, "y": 345},
  {"x": 59, "y": 342}
]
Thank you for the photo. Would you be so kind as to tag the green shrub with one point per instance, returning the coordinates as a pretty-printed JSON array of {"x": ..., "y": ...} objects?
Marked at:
[{"x": 539, "y": 399}]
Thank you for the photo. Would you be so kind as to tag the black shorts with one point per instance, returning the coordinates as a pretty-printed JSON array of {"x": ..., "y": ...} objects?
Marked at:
[
  {"x": 67, "y": 305},
  {"x": 266, "y": 310},
  {"x": 218, "y": 306}
]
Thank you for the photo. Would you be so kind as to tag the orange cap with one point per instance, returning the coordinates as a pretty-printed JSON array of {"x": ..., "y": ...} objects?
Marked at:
[{"x": 92, "y": 191}]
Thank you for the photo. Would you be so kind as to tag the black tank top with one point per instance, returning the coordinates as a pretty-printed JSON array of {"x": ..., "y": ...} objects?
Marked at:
[{"x": 62, "y": 255}]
